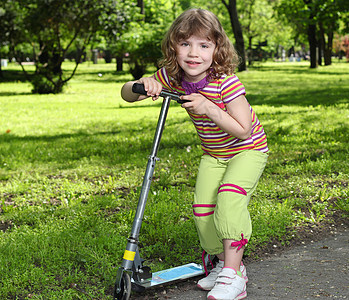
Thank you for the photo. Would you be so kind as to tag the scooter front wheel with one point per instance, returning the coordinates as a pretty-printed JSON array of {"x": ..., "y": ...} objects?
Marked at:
[{"x": 124, "y": 292}]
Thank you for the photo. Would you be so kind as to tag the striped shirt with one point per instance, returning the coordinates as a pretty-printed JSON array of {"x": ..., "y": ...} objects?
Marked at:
[{"x": 214, "y": 141}]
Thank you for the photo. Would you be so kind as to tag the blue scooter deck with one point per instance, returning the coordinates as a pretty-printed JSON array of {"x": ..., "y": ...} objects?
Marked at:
[{"x": 173, "y": 274}]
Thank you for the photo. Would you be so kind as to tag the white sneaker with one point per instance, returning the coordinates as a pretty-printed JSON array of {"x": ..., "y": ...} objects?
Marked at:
[
  {"x": 207, "y": 283},
  {"x": 243, "y": 272},
  {"x": 229, "y": 286}
]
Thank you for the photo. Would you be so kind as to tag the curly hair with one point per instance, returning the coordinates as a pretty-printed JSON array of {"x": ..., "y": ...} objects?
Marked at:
[{"x": 205, "y": 24}]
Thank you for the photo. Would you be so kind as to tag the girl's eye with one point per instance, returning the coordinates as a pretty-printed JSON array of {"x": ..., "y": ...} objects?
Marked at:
[
  {"x": 184, "y": 44},
  {"x": 204, "y": 46}
]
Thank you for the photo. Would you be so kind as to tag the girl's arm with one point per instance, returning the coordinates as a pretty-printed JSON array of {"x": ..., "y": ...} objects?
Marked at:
[
  {"x": 152, "y": 87},
  {"x": 236, "y": 121}
]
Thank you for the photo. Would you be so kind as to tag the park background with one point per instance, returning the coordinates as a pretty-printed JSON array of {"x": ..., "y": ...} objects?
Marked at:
[{"x": 73, "y": 154}]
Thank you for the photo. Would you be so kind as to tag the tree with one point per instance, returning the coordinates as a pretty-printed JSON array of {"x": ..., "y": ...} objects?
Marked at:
[
  {"x": 328, "y": 15},
  {"x": 263, "y": 32},
  {"x": 12, "y": 27},
  {"x": 115, "y": 25},
  {"x": 3, "y": 38},
  {"x": 52, "y": 27},
  {"x": 299, "y": 14},
  {"x": 237, "y": 30},
  {"x": 319, "y": 19},
  {"x": 142, "y": 41}
]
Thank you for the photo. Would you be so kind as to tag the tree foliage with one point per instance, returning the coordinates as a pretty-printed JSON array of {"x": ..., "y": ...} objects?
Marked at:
[
  {"x": 318, "y": 19},
  {"x": 142, "y": 42},
  {"x": 52, "y": 27},
  {"x": 264, "y": 34},
  {"x": 116, "y": 25},
  {"x": 13, "y": 29}
]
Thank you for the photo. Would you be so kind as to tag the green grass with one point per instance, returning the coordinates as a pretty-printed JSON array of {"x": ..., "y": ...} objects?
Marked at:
[{"x": 71, "y": 166}]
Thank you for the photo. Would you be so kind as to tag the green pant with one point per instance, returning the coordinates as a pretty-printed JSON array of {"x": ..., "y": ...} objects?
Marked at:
[{"x": 222, "y": 193}]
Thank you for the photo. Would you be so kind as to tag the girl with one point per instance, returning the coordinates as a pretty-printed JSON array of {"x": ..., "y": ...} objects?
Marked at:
[{"x": 198, "y": 62}]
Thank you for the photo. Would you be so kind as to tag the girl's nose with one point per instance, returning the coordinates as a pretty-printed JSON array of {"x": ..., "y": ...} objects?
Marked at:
[{"x": 193, "y": 51}]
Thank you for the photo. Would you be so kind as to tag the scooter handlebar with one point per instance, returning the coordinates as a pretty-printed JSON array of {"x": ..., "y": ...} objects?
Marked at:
[{"x": 138, "y": 88}]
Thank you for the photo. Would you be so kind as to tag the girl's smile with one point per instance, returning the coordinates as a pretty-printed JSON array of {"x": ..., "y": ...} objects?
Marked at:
[{"x": 195, "y": 56}]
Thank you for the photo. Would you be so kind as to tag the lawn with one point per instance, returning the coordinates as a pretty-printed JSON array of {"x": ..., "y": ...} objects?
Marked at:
[{"x": 71, "y": 167}]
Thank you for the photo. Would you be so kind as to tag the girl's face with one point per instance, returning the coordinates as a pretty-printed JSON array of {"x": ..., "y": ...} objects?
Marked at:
[{"x": 195, "y": 56}]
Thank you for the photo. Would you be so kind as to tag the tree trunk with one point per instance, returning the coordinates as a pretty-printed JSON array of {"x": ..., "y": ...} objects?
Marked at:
[
  {"x": 250, "y": 51},
  {"x": 1, "y": 75},
  {"x": 140, "y": 3},
  {"x": 328, "y": 50},
  {"x": 327, "y": 47},
  {"x": 319, "y": 52},
  {"x": 312, "y": 45},
  {"x": 119, "y": 64},
  {"x": 237, "y": 30}
]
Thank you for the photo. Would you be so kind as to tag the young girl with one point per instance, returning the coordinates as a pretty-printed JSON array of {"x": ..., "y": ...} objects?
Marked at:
[{"x": 198, "y": 63}]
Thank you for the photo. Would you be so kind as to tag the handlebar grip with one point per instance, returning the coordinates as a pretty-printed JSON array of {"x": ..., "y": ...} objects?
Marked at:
[
  {"x": 182, "y": 101},
  {"x": 138, "y": 88}
]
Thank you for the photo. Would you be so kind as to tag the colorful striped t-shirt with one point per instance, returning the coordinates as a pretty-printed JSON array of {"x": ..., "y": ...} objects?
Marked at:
[{"x": 214, "y": 141}]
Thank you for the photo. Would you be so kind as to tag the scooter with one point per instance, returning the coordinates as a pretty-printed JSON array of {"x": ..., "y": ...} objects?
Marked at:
[{"x": 132, "y": 275}]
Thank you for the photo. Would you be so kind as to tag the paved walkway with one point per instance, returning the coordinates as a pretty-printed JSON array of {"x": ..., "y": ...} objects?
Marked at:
[{"x": 318, "y": 270}]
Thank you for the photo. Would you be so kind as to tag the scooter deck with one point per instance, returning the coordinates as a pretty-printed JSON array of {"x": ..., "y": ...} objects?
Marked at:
[{"x": 173, "y": 274}]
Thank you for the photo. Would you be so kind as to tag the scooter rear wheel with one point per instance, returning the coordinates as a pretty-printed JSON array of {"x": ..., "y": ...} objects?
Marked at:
[{"x": 125, "y": 288}]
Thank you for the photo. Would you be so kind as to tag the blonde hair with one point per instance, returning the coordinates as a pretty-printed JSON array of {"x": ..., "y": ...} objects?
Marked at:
[{"x": 204, "y": 24}]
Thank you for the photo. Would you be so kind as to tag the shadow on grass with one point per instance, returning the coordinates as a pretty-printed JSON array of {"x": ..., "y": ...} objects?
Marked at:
[
  {"x": 119, "y": 145},
  {"x": 13, "y": 76},
  {"x": 107, "y": 76},
  {"x": 9, "y": 138},
  {"x": 157, "y": 103},
  {"x": 8, "y": 94},
  {"x": 296, "y": 69},
  {"x": 303, "y": 97}
]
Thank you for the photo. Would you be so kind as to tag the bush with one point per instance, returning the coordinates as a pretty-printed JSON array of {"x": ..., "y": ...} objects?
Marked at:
[{"x": 41, "y": 85}]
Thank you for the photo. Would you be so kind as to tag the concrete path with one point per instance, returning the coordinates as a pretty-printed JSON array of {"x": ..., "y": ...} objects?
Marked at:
[{"x": 317, "y": 270}]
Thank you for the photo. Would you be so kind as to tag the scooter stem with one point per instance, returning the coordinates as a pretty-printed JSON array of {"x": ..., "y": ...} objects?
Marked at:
[
  {"x": 150, "y": 169},
  {"x": 132, "y": 245}
]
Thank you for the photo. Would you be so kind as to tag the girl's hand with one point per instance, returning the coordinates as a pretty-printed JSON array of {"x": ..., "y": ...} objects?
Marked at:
[
  {"x": 198, "y": 104},
  {"x": 236, "y": 121},
  {"x": 152, "y": 87}
]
